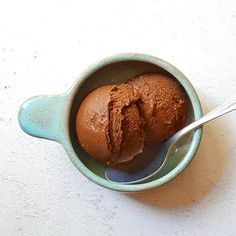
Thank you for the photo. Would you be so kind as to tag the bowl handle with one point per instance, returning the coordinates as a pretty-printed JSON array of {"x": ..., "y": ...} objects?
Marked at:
[{"x": 43, "y": 117}]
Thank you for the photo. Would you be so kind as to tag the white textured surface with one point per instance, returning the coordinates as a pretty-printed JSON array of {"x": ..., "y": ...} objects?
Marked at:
[{"x": 44, "y": 45}]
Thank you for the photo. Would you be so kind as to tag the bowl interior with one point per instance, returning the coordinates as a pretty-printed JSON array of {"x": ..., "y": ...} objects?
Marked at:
[{"x": 116, "y": 73}]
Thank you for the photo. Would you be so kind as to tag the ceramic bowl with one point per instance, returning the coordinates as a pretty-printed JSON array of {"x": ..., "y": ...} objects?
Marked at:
[{"x": 53, "y": 117}]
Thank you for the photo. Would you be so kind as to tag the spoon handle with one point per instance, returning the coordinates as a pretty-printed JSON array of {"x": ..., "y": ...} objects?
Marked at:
[{"x": 226, "y": 107}]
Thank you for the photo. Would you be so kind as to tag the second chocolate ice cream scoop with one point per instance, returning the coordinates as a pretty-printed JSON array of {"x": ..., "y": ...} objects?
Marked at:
[{"x": 163, "y": 105}]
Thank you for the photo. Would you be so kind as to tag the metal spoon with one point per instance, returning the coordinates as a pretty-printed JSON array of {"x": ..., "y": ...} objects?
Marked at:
[{"x": 120, "y": 175}]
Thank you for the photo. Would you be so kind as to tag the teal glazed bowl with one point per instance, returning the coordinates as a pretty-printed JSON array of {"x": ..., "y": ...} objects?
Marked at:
[{"x": 53, "y": 117}]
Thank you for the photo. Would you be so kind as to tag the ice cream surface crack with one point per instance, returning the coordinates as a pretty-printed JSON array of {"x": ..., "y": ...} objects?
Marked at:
[{"x": 125, "y": 123}]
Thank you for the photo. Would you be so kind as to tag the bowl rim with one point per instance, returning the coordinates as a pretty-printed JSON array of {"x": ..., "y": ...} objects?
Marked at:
[{"x": 196, "y": 109}]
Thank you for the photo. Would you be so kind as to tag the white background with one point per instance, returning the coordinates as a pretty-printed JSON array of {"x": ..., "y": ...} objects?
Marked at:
[{"x": 44, "y": 46}]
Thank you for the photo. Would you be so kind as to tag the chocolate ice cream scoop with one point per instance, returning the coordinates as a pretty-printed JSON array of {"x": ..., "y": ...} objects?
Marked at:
[
  {"x": 108, "y": 124},
  {"x": 163, "y": 105}
]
